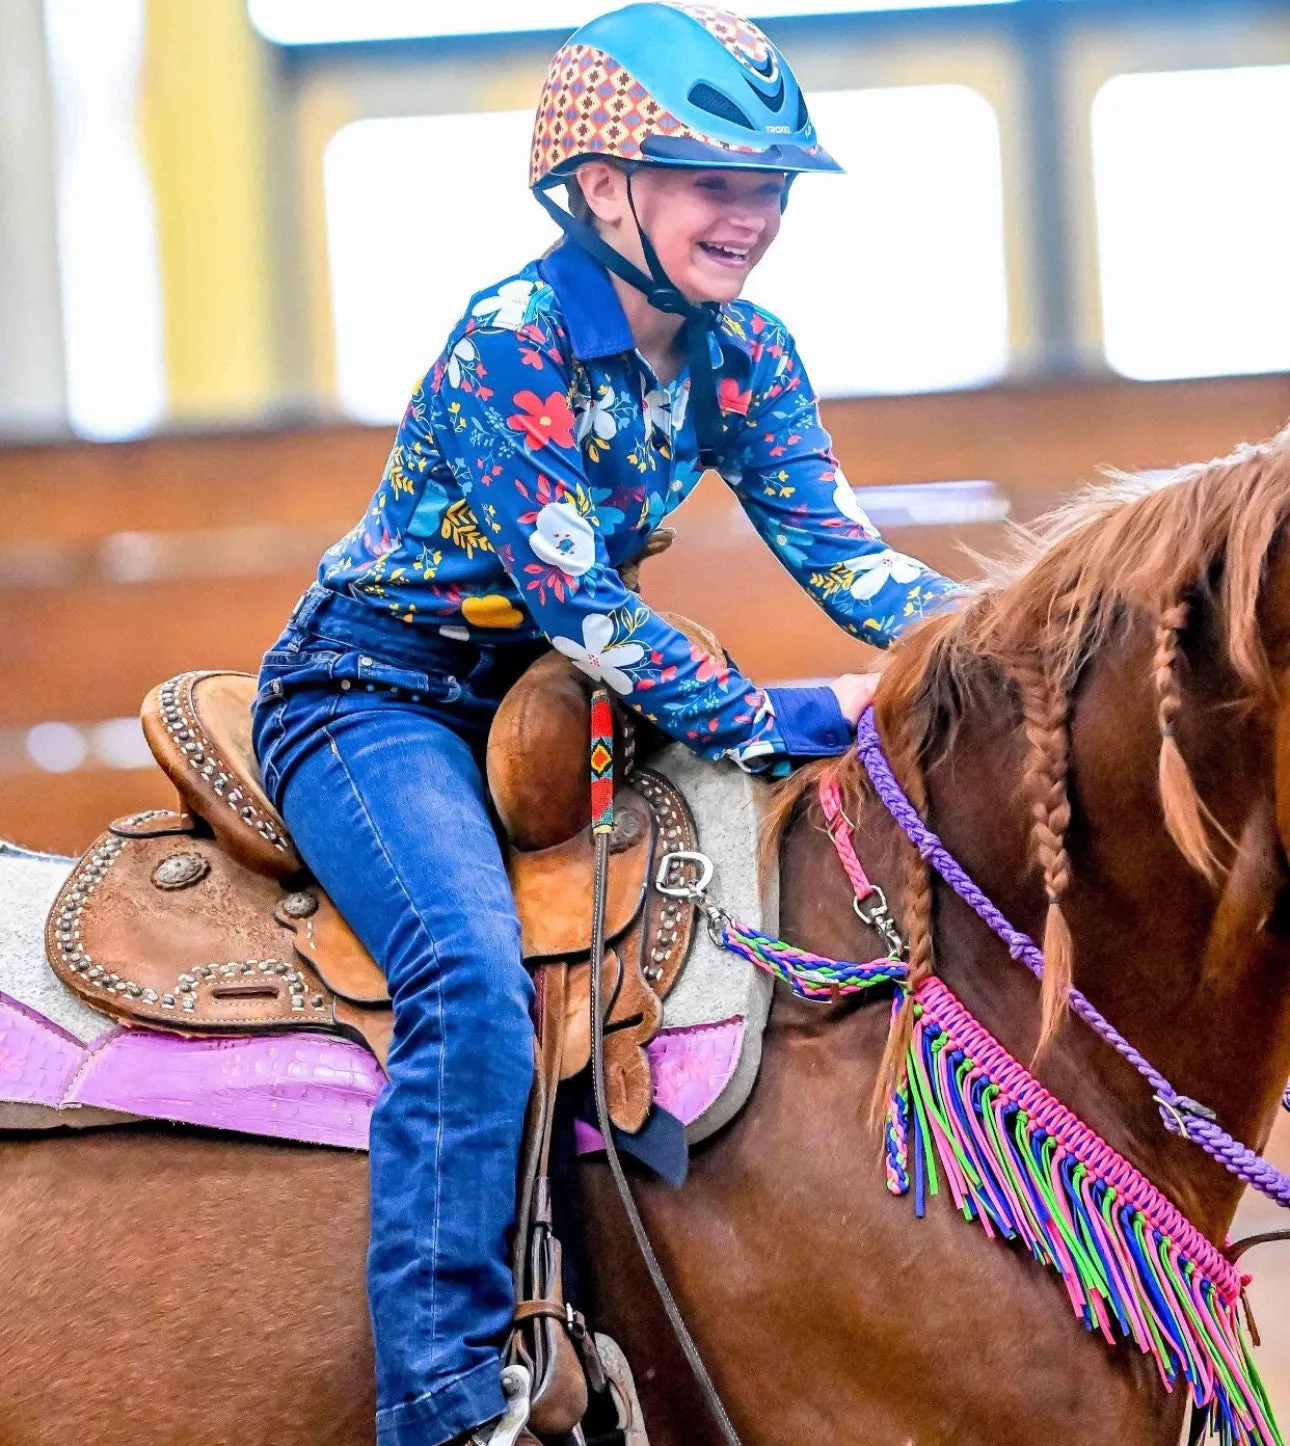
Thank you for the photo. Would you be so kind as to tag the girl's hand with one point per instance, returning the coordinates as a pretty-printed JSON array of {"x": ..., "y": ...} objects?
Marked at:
[{"x": 855, "y": 692}]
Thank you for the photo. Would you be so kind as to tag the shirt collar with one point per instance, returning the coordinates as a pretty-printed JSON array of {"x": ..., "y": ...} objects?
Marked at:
[{"x": 597, "y": 324}]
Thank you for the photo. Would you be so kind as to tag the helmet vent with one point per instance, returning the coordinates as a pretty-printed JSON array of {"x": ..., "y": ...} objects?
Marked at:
[{"x": 708, "y": 98}]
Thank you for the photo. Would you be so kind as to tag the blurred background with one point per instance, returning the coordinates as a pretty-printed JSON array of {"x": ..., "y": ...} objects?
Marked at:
[{"x": 233, "y": 233}]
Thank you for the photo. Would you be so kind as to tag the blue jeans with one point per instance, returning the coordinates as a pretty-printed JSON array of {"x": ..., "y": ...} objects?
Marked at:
[{"x": 371, "y": 743}]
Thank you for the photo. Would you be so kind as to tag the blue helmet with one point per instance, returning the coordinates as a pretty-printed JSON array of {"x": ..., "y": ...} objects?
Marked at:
[{"x": 675, "y": 85}]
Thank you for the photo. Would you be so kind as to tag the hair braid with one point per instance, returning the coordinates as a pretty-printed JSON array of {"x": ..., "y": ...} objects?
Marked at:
[
  {"x": 1045, "y": 710},
  {"x": 1186, "y": 816},
  {"x": 916, "y": 910}
]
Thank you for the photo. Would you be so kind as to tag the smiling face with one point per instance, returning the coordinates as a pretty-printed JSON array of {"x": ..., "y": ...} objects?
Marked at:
[{"x": 710, "y": 228}]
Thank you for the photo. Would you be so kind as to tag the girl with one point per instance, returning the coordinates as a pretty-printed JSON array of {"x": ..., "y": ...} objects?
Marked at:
[{"x": 574, "y": 406}]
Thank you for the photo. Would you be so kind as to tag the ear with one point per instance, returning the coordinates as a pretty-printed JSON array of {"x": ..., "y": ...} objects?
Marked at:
[{"x": 603, "y": 188}]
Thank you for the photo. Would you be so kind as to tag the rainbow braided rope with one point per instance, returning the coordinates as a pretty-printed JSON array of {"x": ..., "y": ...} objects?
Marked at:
[
  {"x": 1016, "y": 1160},
  {"x": 810, "y": 976}
]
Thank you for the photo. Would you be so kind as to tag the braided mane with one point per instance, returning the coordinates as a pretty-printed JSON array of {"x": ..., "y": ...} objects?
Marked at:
[{"x": 1154, "y": 546}]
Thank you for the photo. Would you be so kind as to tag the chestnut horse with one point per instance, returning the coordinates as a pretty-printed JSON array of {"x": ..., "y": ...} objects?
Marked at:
[{"x": 162, "y": 1286}]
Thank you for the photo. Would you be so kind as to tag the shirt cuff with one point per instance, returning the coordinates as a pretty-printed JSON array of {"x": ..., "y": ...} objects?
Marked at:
[{"x": 811, "y": 721}]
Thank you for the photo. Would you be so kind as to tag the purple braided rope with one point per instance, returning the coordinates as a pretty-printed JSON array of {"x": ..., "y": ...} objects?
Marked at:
[{"x": 1180, "y": 1115}]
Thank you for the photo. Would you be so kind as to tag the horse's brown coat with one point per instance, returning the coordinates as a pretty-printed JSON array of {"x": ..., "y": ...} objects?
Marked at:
[{"x": 196, "y": 1290}]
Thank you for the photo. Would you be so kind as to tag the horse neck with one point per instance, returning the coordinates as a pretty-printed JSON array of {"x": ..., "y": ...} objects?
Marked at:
[{"x": 1189, "y": 976}]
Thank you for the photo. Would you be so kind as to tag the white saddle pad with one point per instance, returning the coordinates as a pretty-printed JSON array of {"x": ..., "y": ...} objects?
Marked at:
[{"x": 719, "y": 994}]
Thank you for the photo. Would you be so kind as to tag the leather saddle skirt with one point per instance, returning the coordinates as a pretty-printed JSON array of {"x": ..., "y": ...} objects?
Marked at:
[{"x": 158, "y": 924}]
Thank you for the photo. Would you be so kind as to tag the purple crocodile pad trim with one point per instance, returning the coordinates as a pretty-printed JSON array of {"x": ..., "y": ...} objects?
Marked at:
[
  {"x": 691, "y": 1067},
  {"x": 587, "y": 1139},
  {"x": 298, "y": 1086},
  {"x": 7, "y": 1001},
  {"x": 38, "y": 1061},
  {"x": 301, "y": 1086}
]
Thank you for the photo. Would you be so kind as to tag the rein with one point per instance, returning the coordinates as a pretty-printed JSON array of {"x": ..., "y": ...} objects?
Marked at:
[
  {"x": 602, "y": 827},
  {"x": 1024, "y": 1166}
]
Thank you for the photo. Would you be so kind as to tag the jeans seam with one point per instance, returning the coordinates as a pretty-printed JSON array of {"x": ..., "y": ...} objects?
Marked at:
[
  {"x": 438, "y": 998},
  {"x": 276, "y": 720}
]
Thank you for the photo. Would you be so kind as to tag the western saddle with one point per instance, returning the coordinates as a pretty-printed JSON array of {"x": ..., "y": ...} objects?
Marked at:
[{"x": 203, "y": 920}]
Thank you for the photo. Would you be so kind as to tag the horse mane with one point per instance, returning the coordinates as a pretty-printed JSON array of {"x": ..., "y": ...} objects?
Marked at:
[{"x": 1156, "y": 545}]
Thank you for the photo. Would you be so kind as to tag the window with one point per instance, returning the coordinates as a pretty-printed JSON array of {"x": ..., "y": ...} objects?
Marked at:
[
  {"x": 892, "y": 277},
  {"x": 321, "y": 22},
  {"x": 112, "y": 308},
  {"x": 421, "y": 212},
  {"x": 1192, "y": 219}
]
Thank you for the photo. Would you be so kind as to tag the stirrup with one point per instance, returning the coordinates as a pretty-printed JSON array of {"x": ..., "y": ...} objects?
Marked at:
[
  {"x": 517, "y": 1384},
  {"x": 622, "y": 1385}
]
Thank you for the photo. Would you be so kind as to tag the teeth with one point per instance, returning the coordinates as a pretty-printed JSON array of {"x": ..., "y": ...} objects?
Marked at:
[{"x": 726, "y": 250}]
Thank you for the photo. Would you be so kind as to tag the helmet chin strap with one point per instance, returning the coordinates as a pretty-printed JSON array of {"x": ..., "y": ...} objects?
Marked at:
[{"x": 663, "y": 295}]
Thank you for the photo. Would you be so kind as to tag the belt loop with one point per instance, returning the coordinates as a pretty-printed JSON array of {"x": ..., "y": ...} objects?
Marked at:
[{"x": 307, "y": 605}]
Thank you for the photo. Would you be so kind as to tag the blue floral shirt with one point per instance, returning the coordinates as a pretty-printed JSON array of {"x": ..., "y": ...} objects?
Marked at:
[{"x": 540, "y": 451}]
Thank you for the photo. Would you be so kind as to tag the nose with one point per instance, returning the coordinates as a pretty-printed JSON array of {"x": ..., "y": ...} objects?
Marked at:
[
  {"x": 748, "y": 216},
  {"x": 752, "y": 214}
]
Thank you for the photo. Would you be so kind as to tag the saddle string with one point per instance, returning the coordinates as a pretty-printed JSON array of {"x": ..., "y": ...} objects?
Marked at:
[
  {"x": 1180, "y": 1114},
  {"x": 602, "y": 817}
]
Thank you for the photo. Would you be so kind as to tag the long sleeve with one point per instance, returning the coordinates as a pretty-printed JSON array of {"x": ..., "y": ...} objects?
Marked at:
[
  {"x": 794, "y": 491},
  {"x": 505, "y": 400}
]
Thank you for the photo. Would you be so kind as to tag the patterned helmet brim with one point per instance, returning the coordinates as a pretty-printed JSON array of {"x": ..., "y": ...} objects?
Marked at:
[{"x": 594, "y": 104}]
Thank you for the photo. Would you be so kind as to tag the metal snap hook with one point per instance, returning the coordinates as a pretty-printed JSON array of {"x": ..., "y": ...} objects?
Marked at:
[{"x": 878, "y": 917}]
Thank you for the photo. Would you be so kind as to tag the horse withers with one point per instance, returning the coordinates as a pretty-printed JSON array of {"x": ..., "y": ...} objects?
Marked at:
[{"x": 1101, "y": 736}]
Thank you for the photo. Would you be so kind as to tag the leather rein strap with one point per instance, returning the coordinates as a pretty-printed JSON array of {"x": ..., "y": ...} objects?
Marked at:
[{"x": 602, "y": 822}]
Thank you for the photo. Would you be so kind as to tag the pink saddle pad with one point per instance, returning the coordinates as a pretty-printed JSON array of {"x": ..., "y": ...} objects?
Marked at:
[{"x": 315, "y": 1088}]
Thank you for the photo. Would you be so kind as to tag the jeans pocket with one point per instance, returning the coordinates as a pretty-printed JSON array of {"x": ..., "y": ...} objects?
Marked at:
[{"x": 291, "y": 668}]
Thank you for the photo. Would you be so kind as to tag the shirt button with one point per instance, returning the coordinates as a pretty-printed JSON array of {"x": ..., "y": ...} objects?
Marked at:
[
  {"x": 366, "y": 662},
  {"x": 416, "y": 697},
  {"x": 345, "y": 685},
  {"x": 371, "y": 687}
]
